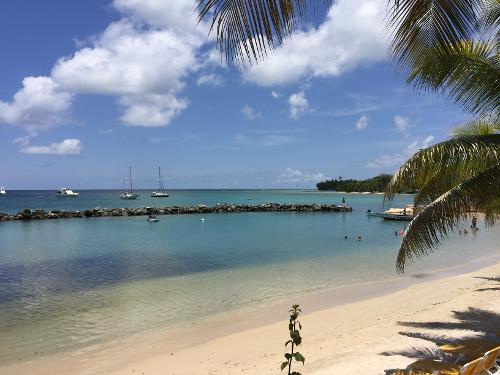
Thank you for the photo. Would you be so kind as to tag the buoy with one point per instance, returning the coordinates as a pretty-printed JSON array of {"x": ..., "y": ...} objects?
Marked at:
[{"x": 202, "y": 219}]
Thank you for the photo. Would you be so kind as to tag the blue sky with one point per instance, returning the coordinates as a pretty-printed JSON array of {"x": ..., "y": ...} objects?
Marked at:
[{"x": 89, "y": 88}]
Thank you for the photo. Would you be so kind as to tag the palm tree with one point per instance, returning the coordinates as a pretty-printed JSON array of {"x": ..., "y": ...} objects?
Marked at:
[{"x": 448, "y": 46}]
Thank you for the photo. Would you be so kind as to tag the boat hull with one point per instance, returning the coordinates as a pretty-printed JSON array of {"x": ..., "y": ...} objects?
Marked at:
[
  {"x": 159, "y": 195},
  {"x": 397, "y": 217}
]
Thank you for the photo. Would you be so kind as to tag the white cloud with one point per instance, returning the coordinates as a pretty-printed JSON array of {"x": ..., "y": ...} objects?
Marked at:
[
  {"x": 398, "y": 158},
  {"x": 362, "y": 123},
  {"x": 210, "y": 80},
  {"x": 250, "y": 113},
  {"x": 142, "y": 59},
  {"x": 352, "y": 34},
  {"x": 275, "y": 94},
  {"x": 66, "y": 147},
  {"x": 39, "y": 105},
  {"x": 293, "y": 176},
  {"x": 151, "y": 110},
  {"x": 402, "y": 124},
  {"x": 299, "y": 105}
]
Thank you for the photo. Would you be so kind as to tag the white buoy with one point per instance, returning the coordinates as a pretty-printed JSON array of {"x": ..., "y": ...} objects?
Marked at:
[{"x": 202, "y": 219}]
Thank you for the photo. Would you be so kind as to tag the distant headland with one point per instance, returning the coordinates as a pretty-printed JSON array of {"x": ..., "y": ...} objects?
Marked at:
[{"x": 375, "y": 184}]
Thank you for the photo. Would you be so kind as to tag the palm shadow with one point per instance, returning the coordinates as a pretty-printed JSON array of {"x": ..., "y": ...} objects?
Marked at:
[
  {"x": 483, "y": 323},
  {"x": 492, "y": 288}
]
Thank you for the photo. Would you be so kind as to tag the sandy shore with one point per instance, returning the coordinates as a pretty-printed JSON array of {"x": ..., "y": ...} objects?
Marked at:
[{"x": 354, "y": 330}]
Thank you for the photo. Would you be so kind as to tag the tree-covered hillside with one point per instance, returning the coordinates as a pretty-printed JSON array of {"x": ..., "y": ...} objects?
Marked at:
[{"x": 374, "y": 184}]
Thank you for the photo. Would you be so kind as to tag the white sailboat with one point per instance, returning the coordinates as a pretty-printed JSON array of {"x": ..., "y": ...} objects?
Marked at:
[
  {"x": 3, "y": 193},
  {"x": 65, "y": 192},
  {"x": 160, "y": 193},
  {"x": 130, "y": 195}
]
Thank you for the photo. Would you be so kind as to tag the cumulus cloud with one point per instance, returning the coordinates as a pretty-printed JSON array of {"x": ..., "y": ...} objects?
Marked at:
[
  {"x": 352, "y": 34},
  {"x": 299, "y": 105},
  {"x": 210, "y": 80},
  {"x": 143, "y": 59},
  {"x": 38, "y": 105},
  {"x": 398, "y": 158},
  {"x": 250, "y": 113},
  {"x": 362, "y": 123},
  {"x": 402, "y": 124},
  {"x": 294, "y": 176},
  {"x": 70, "y": 146}
]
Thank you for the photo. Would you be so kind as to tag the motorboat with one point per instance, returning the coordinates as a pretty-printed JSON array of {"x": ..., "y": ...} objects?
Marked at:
[
  {"x": 3, "y": 193},
  {"x": 129, "y": 195},
  {"x": 152, "y": 219},
  {"x": 65, "y": 192},
  {"x": 399, "y": 214},
  {"x": 160, "y": 193}
]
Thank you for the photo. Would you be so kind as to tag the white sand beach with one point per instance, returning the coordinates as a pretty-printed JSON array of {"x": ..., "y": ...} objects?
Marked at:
[{"x": 354, "y": 330}]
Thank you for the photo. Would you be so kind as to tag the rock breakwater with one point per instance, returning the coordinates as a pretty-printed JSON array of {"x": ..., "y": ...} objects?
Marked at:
[{"x": 27, "y": 214}]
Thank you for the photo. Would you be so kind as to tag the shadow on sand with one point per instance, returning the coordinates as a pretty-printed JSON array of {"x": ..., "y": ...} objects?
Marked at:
[{"x": 478, "y": 323}]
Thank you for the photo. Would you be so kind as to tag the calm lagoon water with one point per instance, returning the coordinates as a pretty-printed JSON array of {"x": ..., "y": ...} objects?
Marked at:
[{"x": 69, "y": 283}]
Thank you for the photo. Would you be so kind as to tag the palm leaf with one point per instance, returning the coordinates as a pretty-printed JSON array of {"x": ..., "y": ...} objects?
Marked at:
[
  {"x": 248, "y": 29},
  {"x": 480, "y": 126},
  {"x": 464, "y": 156},
  {"x": 422, "y": 24},
  {"x": 443, "y": 215},
  {"x": 468, "y": 71},
  {"x": 490, "y": 17}
]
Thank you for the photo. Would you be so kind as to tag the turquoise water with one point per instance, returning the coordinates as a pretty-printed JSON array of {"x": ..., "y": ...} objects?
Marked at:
[{"x": 69, "y": 283}]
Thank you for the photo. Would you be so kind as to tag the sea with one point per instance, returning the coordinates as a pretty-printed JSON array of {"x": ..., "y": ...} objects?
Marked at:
[{"x": 67, "y": 284}]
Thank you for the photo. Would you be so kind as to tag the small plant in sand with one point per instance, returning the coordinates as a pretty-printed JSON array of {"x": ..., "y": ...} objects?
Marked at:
[{"x": 294, "y": 327}]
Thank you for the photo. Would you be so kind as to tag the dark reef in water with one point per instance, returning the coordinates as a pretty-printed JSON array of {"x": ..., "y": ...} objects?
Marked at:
[{"x": 28, "y": 214}]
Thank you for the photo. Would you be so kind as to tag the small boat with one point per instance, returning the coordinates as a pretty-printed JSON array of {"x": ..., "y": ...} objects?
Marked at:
[
  {"x": 160, "y": 193},
  {"x": 129, "y": 195},
  {"x": 152, "y": 219},
  {"x": 3, "y": 193},
  {"x": 65, "y": 192},
  {"x": 399, "y": 214}
]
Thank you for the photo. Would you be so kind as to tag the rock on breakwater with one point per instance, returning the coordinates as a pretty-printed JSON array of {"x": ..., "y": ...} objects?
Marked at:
[{"x": 28, "y": 214}]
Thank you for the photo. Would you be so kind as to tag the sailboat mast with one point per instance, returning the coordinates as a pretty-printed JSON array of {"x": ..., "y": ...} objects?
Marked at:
[
  {"x": 130, "y": 173},
  {"x": 159, "y": 178}
]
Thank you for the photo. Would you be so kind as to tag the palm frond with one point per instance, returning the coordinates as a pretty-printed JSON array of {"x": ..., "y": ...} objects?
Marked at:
[
  {"x": 490, "y": 16},
  {"x": 443, "y": 215},
  {"x": 463, "y": 155},
  {"x": 480, "y": 126},
  {"x": 248, "y": 29},
  {"x": 422, "y": 24},
  {"x": 468, "y": 71}
]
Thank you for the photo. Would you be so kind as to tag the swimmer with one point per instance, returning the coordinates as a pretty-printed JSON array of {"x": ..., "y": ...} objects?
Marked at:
[
  {"x": 345, "y": 236},
  {"x": 360, "y": 238}
]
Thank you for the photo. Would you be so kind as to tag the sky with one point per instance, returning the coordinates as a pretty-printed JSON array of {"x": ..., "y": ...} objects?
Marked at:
[{"x": 88, "y": 89}]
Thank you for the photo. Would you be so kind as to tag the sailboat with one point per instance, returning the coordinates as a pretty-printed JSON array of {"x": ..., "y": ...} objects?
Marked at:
[
  {"x": 2, "y": 192},
  {"x": 130, "y": 195},
  {"x": 161, "y": 193}
]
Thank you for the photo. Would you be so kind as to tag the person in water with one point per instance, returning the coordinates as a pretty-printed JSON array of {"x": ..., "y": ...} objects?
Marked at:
[
  {"x": 343, "y": 200},
  {"x": 360, "y": 238},
  {"x": 474, "y": 223}
]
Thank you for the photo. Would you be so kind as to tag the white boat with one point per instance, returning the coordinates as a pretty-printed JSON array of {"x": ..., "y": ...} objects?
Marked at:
[
  {"x": 400, "y": 214},
  {"x": 3, "y": 193},
  {"x": 65, "y": 192},
  {"x": 160, "y": 193},
  {"x": 152, "y": 219},
  {"x": 129, "y": 195}
]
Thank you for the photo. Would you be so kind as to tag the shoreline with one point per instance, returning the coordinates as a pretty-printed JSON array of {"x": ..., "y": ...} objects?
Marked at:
[{"x": 151, "y": 350}]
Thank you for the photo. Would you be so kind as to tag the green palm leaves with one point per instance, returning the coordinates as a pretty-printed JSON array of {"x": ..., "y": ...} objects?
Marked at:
[
  {"x": 248, "y": 29},
  {"x": 456, "y": 179},
  {"x": 451, "y": 46}
]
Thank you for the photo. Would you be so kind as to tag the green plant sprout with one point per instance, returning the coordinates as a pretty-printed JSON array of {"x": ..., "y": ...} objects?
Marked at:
[{"x": 294, "y": 327}]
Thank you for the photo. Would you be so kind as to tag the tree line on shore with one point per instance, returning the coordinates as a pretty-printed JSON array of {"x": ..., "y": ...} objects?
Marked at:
[{"x": 374, "y": 184}]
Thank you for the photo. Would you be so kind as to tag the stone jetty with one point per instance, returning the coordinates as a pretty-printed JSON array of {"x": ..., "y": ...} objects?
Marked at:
[{"x": 28, "y": 214}]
